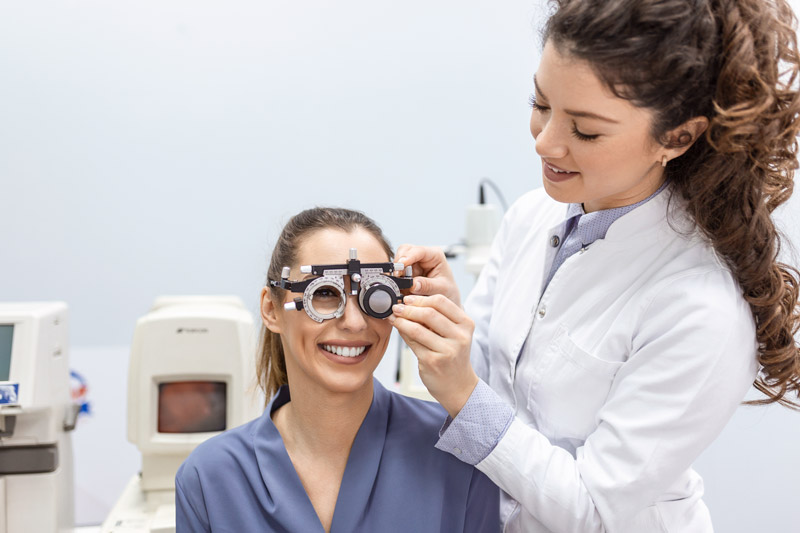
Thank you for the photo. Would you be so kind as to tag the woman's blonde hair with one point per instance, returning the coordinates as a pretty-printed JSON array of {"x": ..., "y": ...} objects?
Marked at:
[{"x": 271, "y": 361}]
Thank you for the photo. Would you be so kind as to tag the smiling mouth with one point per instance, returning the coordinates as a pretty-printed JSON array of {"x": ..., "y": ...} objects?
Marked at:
[
  {"x": 344, "y": 351},
  {"x": 558, "y": 170}
]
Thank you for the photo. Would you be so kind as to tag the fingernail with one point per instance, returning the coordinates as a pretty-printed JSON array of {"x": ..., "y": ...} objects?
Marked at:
[
  {"x": 417, "y": 286},
  {"x": 402, "y": 260},
  {"x": 409, "y": 299},
  {"x": 391, "y": 319},
  {"x": 398, "y": 308}
]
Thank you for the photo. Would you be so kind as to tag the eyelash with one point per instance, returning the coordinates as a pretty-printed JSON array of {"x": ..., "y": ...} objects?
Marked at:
[
  {"x": 575, "y": 133},
  {"x": 582, "y": 136}
]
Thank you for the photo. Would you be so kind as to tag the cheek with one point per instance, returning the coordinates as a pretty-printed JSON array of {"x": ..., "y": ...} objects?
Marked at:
[
  {"x": 600, "y": 159},
  {"x": 383, "y": 328}
]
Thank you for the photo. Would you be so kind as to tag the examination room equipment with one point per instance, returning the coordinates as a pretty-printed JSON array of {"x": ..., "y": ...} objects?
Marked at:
[
  {"x": 191, "y": 376},
  {"x": 36, "y": 417}
]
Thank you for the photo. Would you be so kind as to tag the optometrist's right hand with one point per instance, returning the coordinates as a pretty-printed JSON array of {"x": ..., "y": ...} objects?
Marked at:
[
  {"x": 439, "y": 333},
  {"x": 432, "y": 274}
]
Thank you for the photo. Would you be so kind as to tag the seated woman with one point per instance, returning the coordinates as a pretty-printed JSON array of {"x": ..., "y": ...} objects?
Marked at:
[{"x": 334, "y": 450}]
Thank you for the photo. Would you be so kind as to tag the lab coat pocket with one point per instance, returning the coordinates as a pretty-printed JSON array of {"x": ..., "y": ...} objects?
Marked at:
[{"x": 571, "y": 389}]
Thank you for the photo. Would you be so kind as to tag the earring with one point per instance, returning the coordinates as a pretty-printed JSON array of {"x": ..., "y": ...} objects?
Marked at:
[{"x": 664, "y": 160}]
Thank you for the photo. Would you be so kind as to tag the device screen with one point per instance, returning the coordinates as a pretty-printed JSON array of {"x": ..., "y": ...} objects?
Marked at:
[
  {"x": 6, "y": 337},
  {"x": 192, "y": 406}
]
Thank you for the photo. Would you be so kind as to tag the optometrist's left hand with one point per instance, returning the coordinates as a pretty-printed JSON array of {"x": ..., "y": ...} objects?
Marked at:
[{"x": 440, "y": 334}]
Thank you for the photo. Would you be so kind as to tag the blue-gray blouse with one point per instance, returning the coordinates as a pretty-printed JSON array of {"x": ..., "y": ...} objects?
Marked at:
[{"x": 394, "y": 481}]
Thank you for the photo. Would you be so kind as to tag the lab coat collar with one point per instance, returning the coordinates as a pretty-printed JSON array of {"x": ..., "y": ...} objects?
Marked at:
[{"x": 649, "y": 218}]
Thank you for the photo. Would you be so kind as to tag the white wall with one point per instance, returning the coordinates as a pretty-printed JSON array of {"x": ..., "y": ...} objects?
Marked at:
[{"x": 149, "y": 148}]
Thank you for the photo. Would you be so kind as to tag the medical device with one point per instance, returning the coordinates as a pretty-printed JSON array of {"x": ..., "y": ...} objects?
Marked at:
[
  {"x": 36, "y": 416},
  {"x": 191, "y": 376},
  {"x": 482, "y": 223},
  {"x": 324, "y": 296}
]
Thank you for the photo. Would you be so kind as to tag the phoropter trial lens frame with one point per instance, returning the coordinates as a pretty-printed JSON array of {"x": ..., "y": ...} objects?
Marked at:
[{"x": 371, "y": 277}]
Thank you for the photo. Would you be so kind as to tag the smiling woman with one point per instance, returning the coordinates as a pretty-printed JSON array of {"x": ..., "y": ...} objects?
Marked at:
[
  {"x": 596, "y": 148},
  {"x": 334, "y": 450}
]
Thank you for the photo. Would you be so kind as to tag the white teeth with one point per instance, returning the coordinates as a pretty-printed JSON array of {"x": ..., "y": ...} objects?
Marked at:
[
  {"x": 345, "y": 351},
  {"x": 558, "y": 171}
]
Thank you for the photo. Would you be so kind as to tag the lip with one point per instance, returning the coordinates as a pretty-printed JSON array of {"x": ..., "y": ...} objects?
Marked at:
[
  {"x": 550, "y": 172},
  {"x": 340, "y": 359}
]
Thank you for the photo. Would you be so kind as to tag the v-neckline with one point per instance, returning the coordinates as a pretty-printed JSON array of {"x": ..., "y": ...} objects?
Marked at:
[{"x": 281, "y": 479}]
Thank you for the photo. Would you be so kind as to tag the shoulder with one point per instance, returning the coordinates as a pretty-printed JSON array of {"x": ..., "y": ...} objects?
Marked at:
[
  {"x": 420, "y": 412},
  {"x": 221, "y": 454},
  {"x": 413, "y": 422},
  {"x": 700, "y": 285}
]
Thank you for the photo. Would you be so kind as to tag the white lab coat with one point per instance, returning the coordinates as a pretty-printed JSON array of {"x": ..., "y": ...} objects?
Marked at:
[{"x": 633, "y": 360}]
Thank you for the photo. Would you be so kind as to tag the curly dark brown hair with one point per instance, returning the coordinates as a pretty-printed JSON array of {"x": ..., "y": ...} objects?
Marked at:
[
  {"x": 271, "y": 360},
  {"x": 735, "y": 62}
]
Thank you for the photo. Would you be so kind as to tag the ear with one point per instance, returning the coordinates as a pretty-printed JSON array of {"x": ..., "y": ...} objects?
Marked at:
[
  {"x": 680, "y": 139},
  {"x": 269, "y": 313}
]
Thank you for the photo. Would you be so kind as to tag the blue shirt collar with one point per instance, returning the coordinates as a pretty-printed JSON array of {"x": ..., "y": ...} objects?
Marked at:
[{"x": 592, "y": 226}]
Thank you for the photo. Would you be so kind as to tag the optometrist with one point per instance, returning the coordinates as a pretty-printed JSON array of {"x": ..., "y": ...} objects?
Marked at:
[{"x": 630, "y": 304}]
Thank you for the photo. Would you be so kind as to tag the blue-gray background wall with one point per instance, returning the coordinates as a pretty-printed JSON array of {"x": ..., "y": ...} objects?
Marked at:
[{"x": 151, "y": 148}]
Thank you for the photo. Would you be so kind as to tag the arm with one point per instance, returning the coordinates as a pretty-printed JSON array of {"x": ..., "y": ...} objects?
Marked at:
[
  {"x": 190, "y": 511},
  {"x": 692, "y": 359}
]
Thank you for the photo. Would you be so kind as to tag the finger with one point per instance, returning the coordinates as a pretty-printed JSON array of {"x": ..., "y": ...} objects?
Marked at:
[
  {"x": 422, "y": 259},
  {"x": 420, "y": 339},
  {"x": 454, "y": 334},
  {"x": 430, "y": 286},
  {"x": 430, "y": 319},
  {"x": 451, "y": 310}
]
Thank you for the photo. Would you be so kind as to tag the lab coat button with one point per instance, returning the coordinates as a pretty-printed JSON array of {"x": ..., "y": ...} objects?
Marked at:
[
  {"x": 457, "y": 451},
  {"x": 555, "y": 241},
  {"x": 542, "y": 311}
]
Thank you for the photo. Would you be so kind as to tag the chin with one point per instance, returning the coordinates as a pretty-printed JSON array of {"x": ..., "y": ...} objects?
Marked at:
[
  {"x": 348, "y": 384},
  {"x": 558, "y": 193}
]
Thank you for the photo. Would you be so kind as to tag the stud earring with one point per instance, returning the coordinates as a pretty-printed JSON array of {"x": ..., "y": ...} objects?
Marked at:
[{"x": 664, "y": 160}]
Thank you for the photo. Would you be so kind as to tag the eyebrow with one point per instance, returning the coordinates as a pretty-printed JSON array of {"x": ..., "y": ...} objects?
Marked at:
[{"x": 573, "y": 113}]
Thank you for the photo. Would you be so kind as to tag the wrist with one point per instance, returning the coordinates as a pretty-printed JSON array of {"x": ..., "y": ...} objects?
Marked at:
[{"x": 456, "y": 400}]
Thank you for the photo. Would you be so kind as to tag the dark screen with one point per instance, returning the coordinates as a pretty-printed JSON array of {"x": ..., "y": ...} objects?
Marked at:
[
  {"x": 192, "y": 406},
  {"x": 6, "y": 338}
]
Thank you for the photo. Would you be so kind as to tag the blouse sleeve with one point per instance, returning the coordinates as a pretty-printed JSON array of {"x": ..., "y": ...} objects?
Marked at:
[{"x": 190, "y": 510}]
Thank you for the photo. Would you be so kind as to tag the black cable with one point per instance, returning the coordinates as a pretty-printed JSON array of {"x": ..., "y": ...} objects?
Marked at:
[{"x": 495, "y": 188}]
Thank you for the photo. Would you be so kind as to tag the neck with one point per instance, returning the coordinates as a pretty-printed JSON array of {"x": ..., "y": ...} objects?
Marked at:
[{"x": 322, "y": 422}]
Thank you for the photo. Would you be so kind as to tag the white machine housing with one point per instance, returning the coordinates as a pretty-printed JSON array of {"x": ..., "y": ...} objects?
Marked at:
[
  {"x": 483, "y": 221},
  {"x": 36, "y": 413},
  {"x": 207, "y": 339}
]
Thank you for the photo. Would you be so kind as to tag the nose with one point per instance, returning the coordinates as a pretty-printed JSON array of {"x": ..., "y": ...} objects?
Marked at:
[
  {"x": 353, "y": 319},
  {"x": 549, "y": 140}
]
